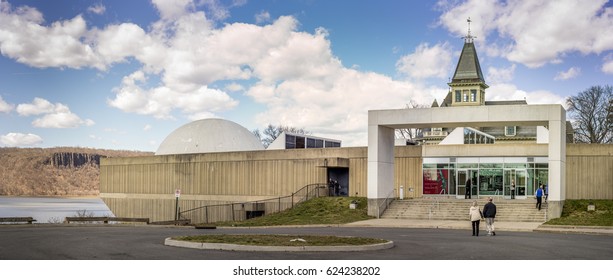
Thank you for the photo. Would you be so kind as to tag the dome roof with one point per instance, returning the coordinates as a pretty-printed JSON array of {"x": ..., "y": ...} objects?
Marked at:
[{"x": 207, "y": 136}]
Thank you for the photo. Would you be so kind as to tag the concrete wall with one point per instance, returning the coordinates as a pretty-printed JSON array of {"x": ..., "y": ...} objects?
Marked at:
[
  {"x": 145, "y": 186},
  {"x": 589, "y": 171}
]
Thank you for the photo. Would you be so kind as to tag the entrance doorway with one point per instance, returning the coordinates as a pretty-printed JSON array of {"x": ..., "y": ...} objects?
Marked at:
[
  {"x": 463, "y": 176},
  {"x": 520, "y": 177},
  {"x": 340, "y": 175}
]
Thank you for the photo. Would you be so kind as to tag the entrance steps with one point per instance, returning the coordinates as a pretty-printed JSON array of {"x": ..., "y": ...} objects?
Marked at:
[{"x": 507, "y": 210}]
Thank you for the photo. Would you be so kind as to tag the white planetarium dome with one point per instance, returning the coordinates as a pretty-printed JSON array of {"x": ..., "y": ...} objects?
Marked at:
[{"x": 209, "y": 136}]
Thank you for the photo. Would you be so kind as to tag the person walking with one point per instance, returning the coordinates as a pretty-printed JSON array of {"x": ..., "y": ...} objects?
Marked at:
[
  {"x": 475, "y": 216},
  {"x": 539, "y": 197},
  {"x": 512, "y": 189},
  {"x": 468, "y": 191},
  {"x": 489, "y": 213}
]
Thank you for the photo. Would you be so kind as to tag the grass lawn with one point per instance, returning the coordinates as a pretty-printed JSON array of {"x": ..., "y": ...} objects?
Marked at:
[
  {"x": 575, "y": 213},
  {"x": 281, "y": 240},
  {"x": 323, "y": 210}
]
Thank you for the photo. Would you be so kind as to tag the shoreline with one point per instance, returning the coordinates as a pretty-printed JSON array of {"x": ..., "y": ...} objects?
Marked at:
[{"x": 54, "y": 196}]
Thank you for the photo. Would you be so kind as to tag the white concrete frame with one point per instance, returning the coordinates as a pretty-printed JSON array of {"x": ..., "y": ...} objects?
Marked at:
[{"x": 382, "y": 123}]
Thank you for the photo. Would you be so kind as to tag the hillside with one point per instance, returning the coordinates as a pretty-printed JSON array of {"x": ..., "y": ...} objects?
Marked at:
[{"x": 62, "y": 171}]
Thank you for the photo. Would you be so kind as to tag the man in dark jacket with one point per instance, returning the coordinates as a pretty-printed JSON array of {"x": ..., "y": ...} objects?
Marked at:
[{"x": 489, "y": 213}]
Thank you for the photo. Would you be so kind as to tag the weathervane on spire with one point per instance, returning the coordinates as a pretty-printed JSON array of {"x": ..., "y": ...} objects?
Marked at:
[{"x": 469, "y": 38}]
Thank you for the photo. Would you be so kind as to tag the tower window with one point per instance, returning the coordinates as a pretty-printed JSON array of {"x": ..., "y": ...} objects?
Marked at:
[
  {"x": 473, "y": 95},
  {"x": 458, "y": 96}
]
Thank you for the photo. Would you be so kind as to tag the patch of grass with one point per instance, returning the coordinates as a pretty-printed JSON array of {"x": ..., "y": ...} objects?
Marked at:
[
  {"x": 323, "y": 210},
  {"x": 575, "y": 213},
  {"x": 281, "y": 240}
]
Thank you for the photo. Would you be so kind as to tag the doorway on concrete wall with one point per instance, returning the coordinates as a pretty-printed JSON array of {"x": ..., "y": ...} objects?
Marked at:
[{"x": 340, "y": 175}]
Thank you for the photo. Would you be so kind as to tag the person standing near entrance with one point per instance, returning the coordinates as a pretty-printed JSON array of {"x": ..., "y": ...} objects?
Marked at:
[
  {"x": 468, "y": 191},
  {"x": 539, "y": 197},
  {"x": 489, "y": 213},
  {"x": 512, "y": 189},
  {"x": 475, "y": 216}
]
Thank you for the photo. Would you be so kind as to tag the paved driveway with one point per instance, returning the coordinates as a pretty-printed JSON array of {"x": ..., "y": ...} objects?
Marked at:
[{"x": 146, "y": 243}]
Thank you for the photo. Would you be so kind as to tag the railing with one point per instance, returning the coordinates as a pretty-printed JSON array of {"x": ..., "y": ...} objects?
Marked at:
[
  {"x": 385, "y": 202},
  {"x": 240, "y": 211}
]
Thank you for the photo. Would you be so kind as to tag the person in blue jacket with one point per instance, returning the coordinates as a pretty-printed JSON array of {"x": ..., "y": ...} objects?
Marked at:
[{"x": 539, "y": 197}]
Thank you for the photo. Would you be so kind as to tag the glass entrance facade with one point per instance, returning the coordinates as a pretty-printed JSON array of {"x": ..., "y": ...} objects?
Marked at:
[{"x": 489, "y": 176}]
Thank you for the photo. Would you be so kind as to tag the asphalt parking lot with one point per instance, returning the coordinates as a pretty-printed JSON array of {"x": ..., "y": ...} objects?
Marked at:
[{"x": 108, "y": 242}]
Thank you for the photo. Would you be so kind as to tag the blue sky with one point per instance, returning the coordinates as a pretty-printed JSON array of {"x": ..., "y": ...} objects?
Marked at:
[{"x": 125, "y": 74}]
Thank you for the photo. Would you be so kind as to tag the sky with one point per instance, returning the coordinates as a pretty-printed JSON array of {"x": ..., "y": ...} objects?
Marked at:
[{"x": 125, "y": 74}]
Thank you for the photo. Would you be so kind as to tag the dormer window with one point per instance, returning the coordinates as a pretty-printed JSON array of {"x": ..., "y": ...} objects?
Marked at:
[{"x": 509, "y": 131}]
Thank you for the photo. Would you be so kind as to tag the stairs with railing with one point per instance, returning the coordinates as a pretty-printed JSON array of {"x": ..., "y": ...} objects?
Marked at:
[{"x": 457, "y": 209}]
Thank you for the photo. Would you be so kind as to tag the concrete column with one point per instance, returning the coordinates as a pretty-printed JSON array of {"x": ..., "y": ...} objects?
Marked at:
[
  {"x": 380, "y": 165},
  {"x": 557, "y": 162}
]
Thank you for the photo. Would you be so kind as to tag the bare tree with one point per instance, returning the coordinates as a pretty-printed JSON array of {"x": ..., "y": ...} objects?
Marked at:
[
  {"x": 410, "y": 133},
  {"x": 590, "y": 112},
  {"x": 271, "y": 133}
]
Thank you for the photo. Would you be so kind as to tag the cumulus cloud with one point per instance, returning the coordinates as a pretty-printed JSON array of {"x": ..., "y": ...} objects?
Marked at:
[
  {"x": 5, "y": 107},
  {"x": 20, "y": 139},
  {"x": 54, "y": 115},
  {"x": 426, "y": 62},
  {"x": 500, "y": 75},
  {"x": 262, "y": 17},
  {"x": 505, "y": 91},
  {"x": 568, "y": 74},
  {"x": 97, "y": 9},
  {"x": 535, "y": 33}
]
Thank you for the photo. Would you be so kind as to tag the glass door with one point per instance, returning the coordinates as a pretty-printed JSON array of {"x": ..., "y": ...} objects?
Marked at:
[
  {"x": 463, "y": 176},
  {"x": 520, "y": 178}
]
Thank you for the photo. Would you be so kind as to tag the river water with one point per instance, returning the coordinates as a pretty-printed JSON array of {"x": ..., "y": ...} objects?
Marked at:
[{"x": 52, "y": 209}]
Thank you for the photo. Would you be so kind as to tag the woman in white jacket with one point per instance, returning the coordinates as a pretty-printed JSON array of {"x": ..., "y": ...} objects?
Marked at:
[{"x": 475, "y": 215}]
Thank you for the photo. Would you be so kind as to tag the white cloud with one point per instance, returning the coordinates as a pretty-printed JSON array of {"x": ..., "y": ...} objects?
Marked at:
[
  {"x": 234, "y": 87},
  {"x": 262, "y": 17},
  {"x": 20, "y": 140},
  {"x": 61, "y": 44},
  {"x": 607, "y": 66},
  {"x": 504, "y": 91},
  {"x": 500, "y": 75},
  {"x": 54, "y": 115},
  {"x": 172, "y": 9},
  {"x": 568, "y": 74},
  {"x": 147, "y": 127},
  {"x": 535, "y": 32},
  {"x": 161, "y": 101},
  {"x": 5, "y": 107},
  {"x": 426, "y": 62},
  {"x": 97, "y": 9}
]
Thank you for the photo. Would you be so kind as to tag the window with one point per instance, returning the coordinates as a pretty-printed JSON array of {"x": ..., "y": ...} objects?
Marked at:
[
  {"x": 290, "y": 142},
  {"x": 332, "y": 144},
  {"x": 473, "y": 95},
  {"x": 299, "y": 142},
  {"x": 465, "y": 95},
  {"x": 509, "y": 131},
  {"x": 458, "y": 96}
]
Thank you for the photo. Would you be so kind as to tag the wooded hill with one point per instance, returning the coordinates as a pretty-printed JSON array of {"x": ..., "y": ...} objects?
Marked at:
[{"x": 61, "y": 171}]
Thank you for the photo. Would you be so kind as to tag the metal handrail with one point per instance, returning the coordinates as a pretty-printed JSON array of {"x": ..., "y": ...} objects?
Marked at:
[
  {"x": 312, "y": 190},
  {"x": 386, "y": 202}
]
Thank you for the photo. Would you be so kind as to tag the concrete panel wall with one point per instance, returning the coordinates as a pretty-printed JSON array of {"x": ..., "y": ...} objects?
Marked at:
[{"x": 589, "y": 171}]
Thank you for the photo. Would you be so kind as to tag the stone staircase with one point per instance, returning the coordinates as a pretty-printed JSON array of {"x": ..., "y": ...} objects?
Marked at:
[{"x": 457, "y": 209}]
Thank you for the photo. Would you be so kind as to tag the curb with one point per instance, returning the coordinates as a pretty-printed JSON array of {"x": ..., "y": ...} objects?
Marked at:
[{"x": 251, "y": 248}]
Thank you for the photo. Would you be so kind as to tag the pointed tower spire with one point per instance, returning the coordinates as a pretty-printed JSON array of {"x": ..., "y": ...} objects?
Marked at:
[
  {"x": 469, "y": 38},
  {"x": 468, "y": 85}
]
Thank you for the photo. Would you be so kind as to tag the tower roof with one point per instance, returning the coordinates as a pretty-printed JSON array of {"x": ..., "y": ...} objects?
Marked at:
[{"x": 468, "y": 69}]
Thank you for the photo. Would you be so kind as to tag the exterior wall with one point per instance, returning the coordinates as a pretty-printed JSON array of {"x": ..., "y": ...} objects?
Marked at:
[
  {"x": 589, "y": 171},
  {"x": 145, "y": 186}
]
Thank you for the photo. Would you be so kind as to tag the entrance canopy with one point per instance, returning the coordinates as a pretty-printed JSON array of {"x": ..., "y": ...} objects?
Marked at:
[{"x": 382, "y": 123}]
